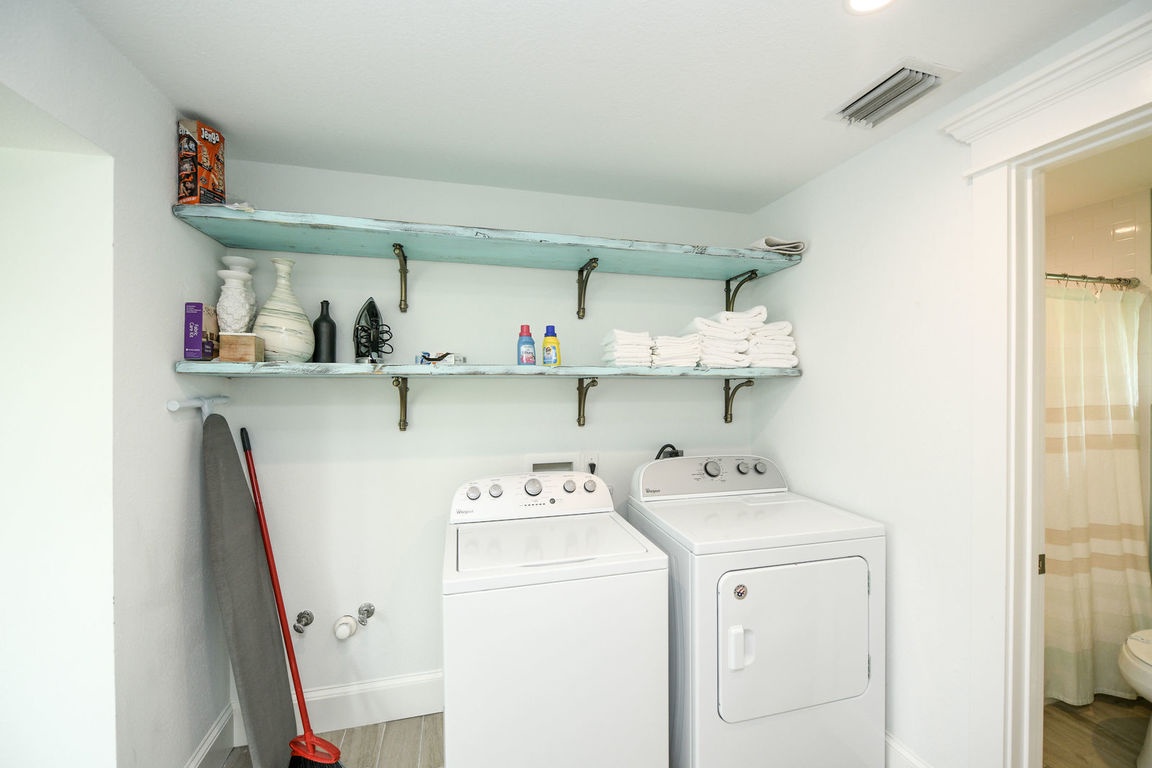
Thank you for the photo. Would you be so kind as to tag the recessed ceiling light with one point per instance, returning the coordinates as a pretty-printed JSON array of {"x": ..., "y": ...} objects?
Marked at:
[{"x": 865, "y": 6}]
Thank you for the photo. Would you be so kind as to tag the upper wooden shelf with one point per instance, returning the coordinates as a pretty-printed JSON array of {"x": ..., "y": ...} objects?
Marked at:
[{"x": 350, "y": 236}]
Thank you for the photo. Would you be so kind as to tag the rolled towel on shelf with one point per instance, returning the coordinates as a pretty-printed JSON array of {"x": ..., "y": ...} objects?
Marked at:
[{"x": 791, "y": 247}]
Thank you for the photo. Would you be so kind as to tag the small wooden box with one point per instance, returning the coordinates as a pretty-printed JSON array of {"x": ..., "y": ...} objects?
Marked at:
[{"x": 241, "y": 348}]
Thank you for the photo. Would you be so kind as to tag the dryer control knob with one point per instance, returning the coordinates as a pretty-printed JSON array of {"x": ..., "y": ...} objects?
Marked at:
[
  {"x": 495, "y": 491},
  {"x": 533, "y": 487},
  {"x": 473, "y": 492},
  {"x": 743, "y": 467},
  {"x": 761, "y": 468},
  {"x": 590, "y": 485},
  {"x": 570, "y": 486},
  {"x": 712, "y": 468}
]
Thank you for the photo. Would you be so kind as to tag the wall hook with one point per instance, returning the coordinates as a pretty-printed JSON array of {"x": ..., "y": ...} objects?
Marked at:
[
  {"x": 303, "y": 619},
  {"x": 365, "y": 612},
  {"x": 205, "y": 404}
]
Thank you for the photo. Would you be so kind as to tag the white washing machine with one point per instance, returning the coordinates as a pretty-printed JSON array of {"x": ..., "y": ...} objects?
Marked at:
[
  {"x": 776, "y": 617},
  {"x": 555, "y": 629}
]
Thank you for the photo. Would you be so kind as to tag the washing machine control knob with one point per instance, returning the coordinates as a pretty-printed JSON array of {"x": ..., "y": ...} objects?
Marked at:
[
  {"x": 712, "y": 468},
  {"x": 473, "y": 492},
  {"x": 495, "y": 491},
  {"x": 570, "y": 486},
  {"x": 743, "y": 467},
  {"x": 533, "y": 487},
  {"x": 590, "y": 485},
  {"x": 761, "y": 468}
]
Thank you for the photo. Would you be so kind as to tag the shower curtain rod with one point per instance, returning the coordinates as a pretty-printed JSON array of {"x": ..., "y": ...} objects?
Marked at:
[{"x": 1124, "y": 282}]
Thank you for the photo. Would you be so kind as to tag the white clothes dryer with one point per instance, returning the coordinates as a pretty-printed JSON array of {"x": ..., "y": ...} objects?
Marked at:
[
  {"x": 776, "y": 617},
  {"x": 555, "y": 629}
]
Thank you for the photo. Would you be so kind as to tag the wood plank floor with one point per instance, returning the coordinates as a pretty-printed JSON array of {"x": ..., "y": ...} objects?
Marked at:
[
  {"x": 417, "y": 742},
  {"x": 1107, "y": 733}
]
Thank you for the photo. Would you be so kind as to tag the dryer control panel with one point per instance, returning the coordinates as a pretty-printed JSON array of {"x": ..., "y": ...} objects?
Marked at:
[
  {"x": 536, "y": 494},
  {"x": 687, "y": 476}
]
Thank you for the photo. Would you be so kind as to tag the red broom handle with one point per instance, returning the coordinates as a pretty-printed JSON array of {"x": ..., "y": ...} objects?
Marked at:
[{"x": 275, "y": 582}]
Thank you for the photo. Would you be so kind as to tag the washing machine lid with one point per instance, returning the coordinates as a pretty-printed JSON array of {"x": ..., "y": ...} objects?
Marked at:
[
  {"x": 712, "y": 525},
  {"x": 1140, "y": 645},
  {"x": 510, "y": 553}
]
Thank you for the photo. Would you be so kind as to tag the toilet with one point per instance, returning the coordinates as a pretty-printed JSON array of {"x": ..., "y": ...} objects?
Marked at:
[{"x": 1136, "y": 668}]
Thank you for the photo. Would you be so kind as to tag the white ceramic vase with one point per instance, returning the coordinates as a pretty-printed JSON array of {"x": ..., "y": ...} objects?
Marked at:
[
  {"x": 246, "y": 265},
  {"x": 233, "y": 311},
  {"x": 281, "y": 322}
]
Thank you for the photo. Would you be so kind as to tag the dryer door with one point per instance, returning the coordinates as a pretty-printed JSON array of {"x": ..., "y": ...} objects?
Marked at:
[{"x": 791, "y": 636}]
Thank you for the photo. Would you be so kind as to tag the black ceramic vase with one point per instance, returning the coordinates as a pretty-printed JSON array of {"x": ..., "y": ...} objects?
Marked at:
[{"x": 325, "y": 331}]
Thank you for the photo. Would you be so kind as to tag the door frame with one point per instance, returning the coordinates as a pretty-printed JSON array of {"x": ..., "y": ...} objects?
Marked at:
[{"x": 1096, "y": 97}]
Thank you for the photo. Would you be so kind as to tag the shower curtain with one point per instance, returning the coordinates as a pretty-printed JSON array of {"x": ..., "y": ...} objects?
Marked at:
[{"x": 1097, "y": 589}]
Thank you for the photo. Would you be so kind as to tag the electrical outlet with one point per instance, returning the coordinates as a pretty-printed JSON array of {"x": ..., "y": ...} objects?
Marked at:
[{"x": 588, "y": 458}]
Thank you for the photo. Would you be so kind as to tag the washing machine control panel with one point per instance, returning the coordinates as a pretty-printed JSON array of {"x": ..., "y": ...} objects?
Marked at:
[
  {"x": 687, "y": 476},
  {"x": 536, "y": 494}
]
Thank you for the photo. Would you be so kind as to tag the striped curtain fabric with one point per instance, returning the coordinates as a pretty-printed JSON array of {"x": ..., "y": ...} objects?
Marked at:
[{"x": 1097, "y": 589}]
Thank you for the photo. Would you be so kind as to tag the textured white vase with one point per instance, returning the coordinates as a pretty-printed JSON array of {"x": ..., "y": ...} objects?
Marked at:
[
  {"x": 246, "y": 265},
  {"x": 233, "y": 310},
  {"x": 281, "y": 322}
]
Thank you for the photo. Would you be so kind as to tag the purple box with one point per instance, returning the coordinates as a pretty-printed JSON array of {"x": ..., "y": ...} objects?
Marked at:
[{"x": 201, "y": 331}]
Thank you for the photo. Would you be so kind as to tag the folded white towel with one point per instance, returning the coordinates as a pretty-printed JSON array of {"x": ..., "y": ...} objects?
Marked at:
[
  {"x": 773, "y": 361},
  {"x": 782, "y": 346},
  {"x": 750, "y": 318},
  {"x": 672, "y": 341},
  {"x": 643, "y": 359},
  {"x": 724, "y": 361},
  {"x": 715, "y": 329},
  {"x": 617, "y": 336},
  {"x": 663, "y": 361},
  {"x": 723, "y": 346},
  {"x": 779, "y": 246},
  {"x": 627, "y": 349},
  {"x": 777, "y": 328}
]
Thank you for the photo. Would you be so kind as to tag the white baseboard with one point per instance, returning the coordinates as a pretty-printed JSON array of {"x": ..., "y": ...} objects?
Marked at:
[
  {"x": 897, "y": 755},
  {"x": 216, "y": 744},
  {"x": 375, "y": 701}
]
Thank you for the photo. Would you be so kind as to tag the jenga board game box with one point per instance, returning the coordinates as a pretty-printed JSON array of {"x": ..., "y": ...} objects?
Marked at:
[{"x": 200, "y": 163}]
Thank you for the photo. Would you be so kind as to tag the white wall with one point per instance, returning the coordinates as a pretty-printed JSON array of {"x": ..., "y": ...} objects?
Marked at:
[
  {"x": 131, "y": 486},
  {"x": 56, "y": 551},
  {"x": 880, "y": 421}
]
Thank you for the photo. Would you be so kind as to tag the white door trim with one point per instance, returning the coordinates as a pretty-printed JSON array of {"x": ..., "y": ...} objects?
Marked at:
[{"x": 1098, "y": 96}]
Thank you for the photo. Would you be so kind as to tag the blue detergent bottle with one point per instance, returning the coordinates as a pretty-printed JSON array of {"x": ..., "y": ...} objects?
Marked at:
[{"x": 526, "y": 347}]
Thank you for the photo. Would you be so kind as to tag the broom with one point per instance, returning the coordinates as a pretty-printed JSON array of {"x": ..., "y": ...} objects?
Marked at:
[{"x": 308, "y": 749}]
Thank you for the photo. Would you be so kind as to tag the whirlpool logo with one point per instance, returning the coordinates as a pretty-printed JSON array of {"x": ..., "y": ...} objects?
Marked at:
[{"x": 652, "y": 490}]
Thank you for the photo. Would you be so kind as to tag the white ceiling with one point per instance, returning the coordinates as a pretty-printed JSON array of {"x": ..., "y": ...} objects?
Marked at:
[{"x": 720, "y": 104}]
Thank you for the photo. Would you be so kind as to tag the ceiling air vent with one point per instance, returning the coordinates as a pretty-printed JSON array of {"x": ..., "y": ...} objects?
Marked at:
[{"x": 888, "y": 96}]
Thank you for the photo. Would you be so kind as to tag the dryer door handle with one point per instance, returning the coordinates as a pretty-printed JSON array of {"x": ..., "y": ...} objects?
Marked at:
[{"x": 741, "y": 647}]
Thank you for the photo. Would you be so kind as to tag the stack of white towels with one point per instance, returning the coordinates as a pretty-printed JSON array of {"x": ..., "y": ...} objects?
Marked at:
[
  {"x": 628, "y": 348},
  {"x": 744, "y": 339},
  {"x": 676, "y": 350},
  {"x": 725, "y": 340}
]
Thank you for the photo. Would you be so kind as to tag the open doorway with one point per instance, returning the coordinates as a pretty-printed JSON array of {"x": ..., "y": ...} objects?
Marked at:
[{"x": 1096, "y": 450}]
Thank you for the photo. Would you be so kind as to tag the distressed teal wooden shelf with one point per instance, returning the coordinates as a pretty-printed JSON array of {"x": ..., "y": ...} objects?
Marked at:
[
  {"x": 586, "y": 376},
  {"x": 406, "y": 241}
]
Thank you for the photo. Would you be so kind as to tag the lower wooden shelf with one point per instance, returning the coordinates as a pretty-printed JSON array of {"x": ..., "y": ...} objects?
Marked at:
[{"x": 586, "y": 376}]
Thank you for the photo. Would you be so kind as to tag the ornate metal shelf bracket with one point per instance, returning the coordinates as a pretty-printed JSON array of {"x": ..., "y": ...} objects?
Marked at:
[
  {"x": 581, "y": 396},
  {"x": 401, "y": 384},
  {"x": 398, "y": 250},
  {"x": 730, "y": 291},
  {"x": 730, "y": 395},
  {"x": 582, "y": 276}
]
